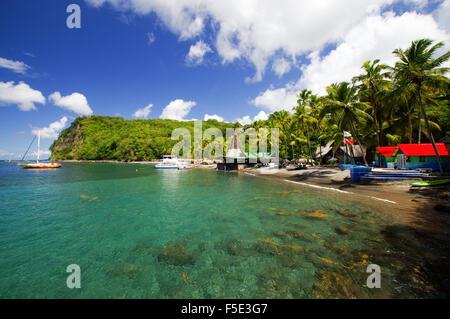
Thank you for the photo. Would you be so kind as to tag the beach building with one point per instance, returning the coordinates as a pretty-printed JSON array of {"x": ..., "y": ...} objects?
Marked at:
[
  {"x": 345, "y": 154},
  {"x": 384, "y": 156},
  {"x": 325, "y": 153},
  {"x": 236, "y": 158},
  {"x": 416, "y": 156},
  {"x": 354, "y": 152}
]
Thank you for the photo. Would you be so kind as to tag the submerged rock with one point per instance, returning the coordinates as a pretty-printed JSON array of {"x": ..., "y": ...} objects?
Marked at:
[
  {"x": 345, "y": 213},
  {"x": 145, "y": 249},
  {"x": 269, "y": 247},
  {"x": 203, "y": 246},
  {"x": 342, "y": 230},
  {"x": 177, "y": 253},
  {"x": 235, "y": 247},
  {"x": 129, "y": 270},
  {"x": 276, "y": 283},
  {"x": 316, "y": 215},
  {"x": 303, "y": 236},
  {"x": 333, "y": 285},
  {"x": 339, "y": 250},
  {"x": 291, "y": 261}
]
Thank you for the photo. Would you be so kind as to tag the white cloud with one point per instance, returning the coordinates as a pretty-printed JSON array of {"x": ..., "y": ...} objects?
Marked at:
[
  {"x": 150, "y": 38},
  {"x": 6, "y": 154},
  {"x": 281, "y": 66},
  {"x": 20, "y": 94},
  {"x": 257, "y": 30},
  {"x": 51, "y": 131},
  {"x": 184, "y": 18},
  {"x": 244, "y": 120},
  {"x": 144, "y": 112},
  {"x": 261, "y": 116},
  {"x": 213, "y": 117},
  {"x": 374, "y": 38},
  {"x": 443, "y": 15},
  {"x": 75, "y": 102},
  {"x": 15, "y": 66},
  {"x": 267, "y": 32},
  {"x": 277, "y": 99},
  {"x": 197, "y": 52},
  {"x": 177, "y": 110}
]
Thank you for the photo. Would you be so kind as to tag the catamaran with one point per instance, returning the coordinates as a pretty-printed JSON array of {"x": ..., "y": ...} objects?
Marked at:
[{"x": 37, "y": 164}]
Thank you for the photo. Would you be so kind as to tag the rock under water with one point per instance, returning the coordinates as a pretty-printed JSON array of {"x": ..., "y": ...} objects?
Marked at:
[{"x": 177, "y": 254}]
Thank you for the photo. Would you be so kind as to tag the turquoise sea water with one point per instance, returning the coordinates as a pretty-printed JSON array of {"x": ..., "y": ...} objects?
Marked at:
[{"x": 137, "y": 232}]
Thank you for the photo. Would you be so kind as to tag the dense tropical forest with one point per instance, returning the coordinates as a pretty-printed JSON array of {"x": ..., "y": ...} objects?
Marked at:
[
  {"x": 384, "y": 105},
  {"x": 114, "y": 138}
]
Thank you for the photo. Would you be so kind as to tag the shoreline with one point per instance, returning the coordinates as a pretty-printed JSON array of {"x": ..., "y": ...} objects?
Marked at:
[
  {"x": 106, "y": 161},
  {"x": 394, "y": 198},
  {"x": 397, "y": 194},
  {"x": 324, "y": 176}
]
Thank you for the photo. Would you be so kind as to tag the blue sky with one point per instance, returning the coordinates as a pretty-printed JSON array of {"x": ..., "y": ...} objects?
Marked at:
[{"x": 244, "y": 58}]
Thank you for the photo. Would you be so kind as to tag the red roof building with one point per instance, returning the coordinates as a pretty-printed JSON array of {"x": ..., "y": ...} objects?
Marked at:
[
  {"x": 423, "y": 149},
  {"x": 386, "y": 150}
]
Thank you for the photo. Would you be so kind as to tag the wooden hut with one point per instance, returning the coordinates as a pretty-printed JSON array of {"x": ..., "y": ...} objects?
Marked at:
[
  {"x": 345, "y": 154},
  {"x": 353, "y": 153}
]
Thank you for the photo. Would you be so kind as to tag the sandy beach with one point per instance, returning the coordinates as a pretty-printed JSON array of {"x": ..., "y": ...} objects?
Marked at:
[{"x": 393, "y": 197}]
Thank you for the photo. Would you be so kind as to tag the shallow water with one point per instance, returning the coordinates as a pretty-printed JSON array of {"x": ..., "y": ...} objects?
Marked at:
[{"x": 137, "y": 232}]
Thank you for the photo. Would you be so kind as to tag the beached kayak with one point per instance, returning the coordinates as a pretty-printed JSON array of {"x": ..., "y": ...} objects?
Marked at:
[{"x": 431, "y": 183}]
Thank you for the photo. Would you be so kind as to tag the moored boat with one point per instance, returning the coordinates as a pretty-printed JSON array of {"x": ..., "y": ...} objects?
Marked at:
[
  {"x": 431, "y": 183},
  {"x": 184, "y": 166},
  {"x": 37, "y": 164},
  {"x": 41, "y": 165},
  {"x": 168, "y": 162}
]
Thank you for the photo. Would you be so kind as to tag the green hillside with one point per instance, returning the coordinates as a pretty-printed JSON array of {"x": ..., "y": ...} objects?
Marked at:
[{"x": 114, "y": 138}]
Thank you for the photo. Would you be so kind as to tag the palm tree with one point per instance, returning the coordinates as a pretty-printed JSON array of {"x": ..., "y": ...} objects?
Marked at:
[
  {"x": 297, "y": 139},
  {"x": 403, "y": 99},
  {"x": 282, "y": 119},
  {"x": 342, "y": 101},
  {"x": 373, "y": 84},
  {"x": 418, "y": 70},
  {"x": 316, "y": 105},
  {"x": 302, "y": 115}
]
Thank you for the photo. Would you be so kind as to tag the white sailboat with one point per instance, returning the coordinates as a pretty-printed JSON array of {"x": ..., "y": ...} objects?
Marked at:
[{"x": 37, "y": 164}]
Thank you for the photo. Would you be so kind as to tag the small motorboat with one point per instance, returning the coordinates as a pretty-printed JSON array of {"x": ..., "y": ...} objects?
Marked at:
[
  {"x": 431, "y": 182},
  {"x": 168, "y": 162},
  {"x": 184, "y": 166}
]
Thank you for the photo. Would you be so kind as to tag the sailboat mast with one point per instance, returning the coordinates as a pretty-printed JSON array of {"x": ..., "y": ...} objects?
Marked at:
[{"x": 39, "y": 141}]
